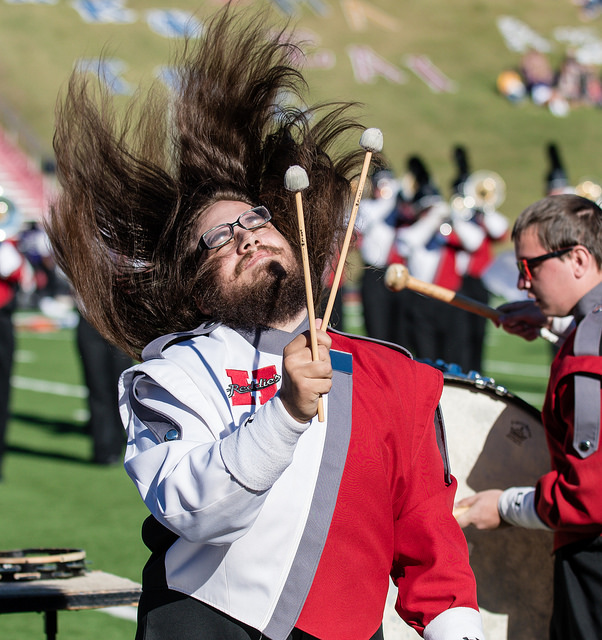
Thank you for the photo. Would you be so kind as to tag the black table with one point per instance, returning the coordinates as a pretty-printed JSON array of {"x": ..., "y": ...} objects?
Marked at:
[{"x": 93, "y": 590}]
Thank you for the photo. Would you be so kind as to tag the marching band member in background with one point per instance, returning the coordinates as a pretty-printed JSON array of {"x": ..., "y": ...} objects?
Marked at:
[
  {"x": 13, "y": 270},
  {"x": 102, "y": 364},
  {"x": 386, "y": 313},
  {"x": 556, "y": 178},
  {"x": 471, "y": 265},
  {"x": 265, "y": 522},
  {"x": 558, "y": 243},
  {"x": 430, "y": 246}
]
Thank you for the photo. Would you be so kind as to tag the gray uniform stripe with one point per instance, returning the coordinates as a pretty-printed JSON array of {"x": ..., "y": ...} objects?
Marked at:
[
  {"x": 313, "y": 540},
  {"x": 587, "y": 388}
]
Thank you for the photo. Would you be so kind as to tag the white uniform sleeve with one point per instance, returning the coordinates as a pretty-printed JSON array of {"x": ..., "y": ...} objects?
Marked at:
[
  {"x": 458, "y": 623},
  {"x": 517, "y": 507},
  {"x": 10, "y": 260},
  {"x": 205, "y": 488},
  {"x": 471, "y": 235},
  {"x": 258, "y": 452},
  {"x": 418, "y": 234},
  {"x": 495, "y": 224}
]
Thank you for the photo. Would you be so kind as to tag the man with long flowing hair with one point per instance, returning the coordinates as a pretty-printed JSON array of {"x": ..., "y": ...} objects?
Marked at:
[{"x": 179, "y": 238}]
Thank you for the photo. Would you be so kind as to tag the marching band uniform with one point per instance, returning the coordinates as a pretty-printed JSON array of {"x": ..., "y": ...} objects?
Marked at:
[
  {"x": 473, "y": 264},
  {"x": 386, "y": 313},
  {"x": 12, "y": 270},
  {"x": 567, "y": 500},
  {"x": 431, "y": 247},
  {"x": 271, "y": 533}
]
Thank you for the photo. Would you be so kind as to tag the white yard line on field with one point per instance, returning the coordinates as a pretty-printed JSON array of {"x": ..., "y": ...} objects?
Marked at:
[
  {"x": 46, "y": 386},
  {"x": 518, "y": 369},
  {"x": 126, "y": 612}
]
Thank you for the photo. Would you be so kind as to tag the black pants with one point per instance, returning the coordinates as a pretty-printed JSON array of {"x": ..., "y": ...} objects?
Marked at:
[
  {"x": 102, "y": 365},
  {"x": 577, "y": 611},
  {"x": 168, "y": 615},
  {"x": 387, "y": 314},
  {"x": 7, "y": 350}
]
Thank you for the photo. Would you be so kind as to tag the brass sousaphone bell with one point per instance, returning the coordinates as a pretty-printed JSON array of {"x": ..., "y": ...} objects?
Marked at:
[
  {"x": 591, "y": 190},
  {"x": 484, "y": 190}
]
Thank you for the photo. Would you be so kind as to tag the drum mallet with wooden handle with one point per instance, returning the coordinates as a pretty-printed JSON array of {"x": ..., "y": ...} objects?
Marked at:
[
  {"x": 397, "y": 277},
  {"x": 296, "y": 180},
  {"x": 372, "y": 142}
]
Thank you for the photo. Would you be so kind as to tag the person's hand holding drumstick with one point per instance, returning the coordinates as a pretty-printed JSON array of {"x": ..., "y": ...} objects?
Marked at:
[
  {"x": 523, "y": 318},
  {"x": 480, "y": 510}
]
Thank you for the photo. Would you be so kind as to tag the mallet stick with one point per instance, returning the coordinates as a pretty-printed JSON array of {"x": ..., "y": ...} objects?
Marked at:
[
  {"x": 458, "y": 511},
  {"x": 372, "y": 141},
  {"x": 295, "y": 179},
  {"x": 397, "y": 277}
]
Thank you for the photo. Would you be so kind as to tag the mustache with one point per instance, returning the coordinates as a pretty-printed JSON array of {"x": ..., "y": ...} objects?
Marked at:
[{"x": 240, "y": 267}]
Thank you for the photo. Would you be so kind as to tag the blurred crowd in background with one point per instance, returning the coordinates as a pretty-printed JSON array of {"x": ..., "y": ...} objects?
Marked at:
[{"x": 571, "y": 85}]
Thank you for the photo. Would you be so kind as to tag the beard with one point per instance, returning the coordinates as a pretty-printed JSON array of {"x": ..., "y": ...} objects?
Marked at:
[{"x": 276, "y": 294}]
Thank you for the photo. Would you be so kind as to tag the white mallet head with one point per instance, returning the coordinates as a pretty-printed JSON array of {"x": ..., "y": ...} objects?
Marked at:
[
  {"x": 372, "y": 140},
  {"x": 295, "y": 178}
]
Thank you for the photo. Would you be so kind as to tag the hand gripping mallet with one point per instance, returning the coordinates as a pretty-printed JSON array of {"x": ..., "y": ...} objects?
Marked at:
[
  {"x": 295, "y": 179},
  {"x": 372, "y": 142}
]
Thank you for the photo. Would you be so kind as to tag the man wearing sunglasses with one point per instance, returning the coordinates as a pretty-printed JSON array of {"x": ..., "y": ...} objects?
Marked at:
[
  {"x": 183, "y": 247},
  {"x": 558, "y": 244}
]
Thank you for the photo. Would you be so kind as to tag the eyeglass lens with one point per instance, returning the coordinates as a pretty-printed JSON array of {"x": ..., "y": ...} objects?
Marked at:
[
  {"x": 223, "y": 233},
  {"x": 526, "y": 264}
]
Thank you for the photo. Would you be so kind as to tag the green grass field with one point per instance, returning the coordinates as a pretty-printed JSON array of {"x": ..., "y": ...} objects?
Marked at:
[{"x": 53, "y": 497}]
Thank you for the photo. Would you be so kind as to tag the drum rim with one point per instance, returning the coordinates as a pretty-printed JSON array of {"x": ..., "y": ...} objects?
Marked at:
[{"x": 488, "y": 386}]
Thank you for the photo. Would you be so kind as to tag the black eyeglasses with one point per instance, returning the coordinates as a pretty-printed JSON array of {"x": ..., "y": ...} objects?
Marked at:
[
  {"x": 526, "y": 264},
  {"x": 222, "y": 234}
]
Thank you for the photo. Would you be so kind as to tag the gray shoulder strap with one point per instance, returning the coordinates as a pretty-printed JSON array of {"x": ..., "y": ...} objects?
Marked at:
[
  {"x": 442, "y": 443},
  {"x": 155, "y": 348},
  {"x": 587, "y": 388},
  {"x": 162, "y": 426}
]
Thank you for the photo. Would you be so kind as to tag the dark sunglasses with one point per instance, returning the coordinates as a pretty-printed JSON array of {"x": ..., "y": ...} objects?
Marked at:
[
  {"x": 525, "y": 265},
  {"x": 218, "y": 236}
]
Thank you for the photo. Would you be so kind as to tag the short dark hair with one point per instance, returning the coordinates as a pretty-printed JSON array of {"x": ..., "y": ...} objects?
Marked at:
[{"x": 563, "y": 221}]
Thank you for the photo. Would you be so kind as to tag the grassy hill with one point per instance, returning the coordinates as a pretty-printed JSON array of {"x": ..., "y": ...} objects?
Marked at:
[{"x": 41, "y": 43}]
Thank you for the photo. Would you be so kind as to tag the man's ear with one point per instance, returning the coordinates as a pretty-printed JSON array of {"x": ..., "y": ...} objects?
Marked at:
[{"x": 583, "y": 261}]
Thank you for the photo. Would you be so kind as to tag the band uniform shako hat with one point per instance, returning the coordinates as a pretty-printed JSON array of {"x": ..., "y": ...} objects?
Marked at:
[{"x": 424, "y": 193}]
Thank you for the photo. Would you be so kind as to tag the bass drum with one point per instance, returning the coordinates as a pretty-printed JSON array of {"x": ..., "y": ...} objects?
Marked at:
[{"x": 495, "y": 441}]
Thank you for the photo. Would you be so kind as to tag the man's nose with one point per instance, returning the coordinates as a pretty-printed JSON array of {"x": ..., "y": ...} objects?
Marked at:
[
  {"x": 523, "y": 282},
  {"x": 245, "y": 239}
]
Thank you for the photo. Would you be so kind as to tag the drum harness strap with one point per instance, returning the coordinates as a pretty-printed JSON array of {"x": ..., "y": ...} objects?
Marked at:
[{"x": 588, "y": 336}]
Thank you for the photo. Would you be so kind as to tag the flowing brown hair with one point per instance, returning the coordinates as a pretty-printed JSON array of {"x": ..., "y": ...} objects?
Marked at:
[{"x": 133, "y": 188}]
